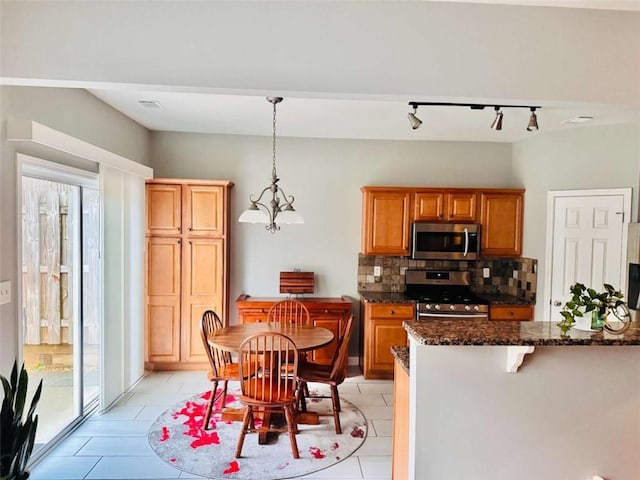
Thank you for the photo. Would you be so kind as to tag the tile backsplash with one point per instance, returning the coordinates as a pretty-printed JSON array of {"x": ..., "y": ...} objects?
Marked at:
[{"x": 511, "y": 276}]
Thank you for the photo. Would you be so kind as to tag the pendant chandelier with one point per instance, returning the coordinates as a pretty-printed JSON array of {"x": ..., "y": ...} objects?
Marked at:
[{"x": 279, "y": 208}]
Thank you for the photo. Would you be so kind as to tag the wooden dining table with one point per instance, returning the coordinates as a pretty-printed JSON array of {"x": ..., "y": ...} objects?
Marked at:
[{"x": 305, "y": 337}]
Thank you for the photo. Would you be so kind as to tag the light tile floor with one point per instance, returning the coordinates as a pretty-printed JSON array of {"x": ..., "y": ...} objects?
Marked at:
[{"x": 114, "y": 445}]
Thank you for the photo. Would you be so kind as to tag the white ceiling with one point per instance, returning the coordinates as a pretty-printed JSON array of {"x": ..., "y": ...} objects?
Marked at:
[
  {"x": 331, "y": 118},
  {"x": 318, "y": 117}
]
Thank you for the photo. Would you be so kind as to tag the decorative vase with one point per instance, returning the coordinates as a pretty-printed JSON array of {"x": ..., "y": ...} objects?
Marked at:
[
  {"x": 598, "y": 320},
  {"x": 619, "y": 321}
]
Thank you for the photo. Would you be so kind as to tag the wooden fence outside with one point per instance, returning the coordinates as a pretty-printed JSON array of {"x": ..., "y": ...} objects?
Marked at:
[{"x": 48, "y": 270}]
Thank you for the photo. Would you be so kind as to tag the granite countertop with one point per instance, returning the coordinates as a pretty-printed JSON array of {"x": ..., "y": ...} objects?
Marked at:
[
  {"x": 386, "y": 297},
  {"x": 486, "y": 332},
  {"x": 402, "y": 355},
  {"x": 503, "y": 299}
]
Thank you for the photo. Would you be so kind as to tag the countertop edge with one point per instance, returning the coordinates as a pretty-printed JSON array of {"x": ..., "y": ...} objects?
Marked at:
[
  {"x": 512, "y": 333},
  {"x": 401, "y": 354}
]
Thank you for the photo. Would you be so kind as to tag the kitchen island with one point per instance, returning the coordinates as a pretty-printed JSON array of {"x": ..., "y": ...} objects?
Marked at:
[{"x": 516, "y": 400}]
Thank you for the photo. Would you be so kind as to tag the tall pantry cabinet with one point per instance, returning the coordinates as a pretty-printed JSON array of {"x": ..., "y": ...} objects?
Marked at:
[{"x": 187, "y": 268}]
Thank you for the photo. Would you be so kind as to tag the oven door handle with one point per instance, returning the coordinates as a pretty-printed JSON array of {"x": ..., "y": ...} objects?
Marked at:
[
  {"x": 444, "y": 315},
  {"x": 466, "y": 242}
]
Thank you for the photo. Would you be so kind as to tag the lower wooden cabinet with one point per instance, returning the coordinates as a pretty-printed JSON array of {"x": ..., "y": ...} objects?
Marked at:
[
  {"x": 511, "y": 312},
  {"x": 400, "y": 448},
  {"x": 382, "y": 324},
  {"x": 330, "y": 313},
  {"x": 179, "y": 291}
]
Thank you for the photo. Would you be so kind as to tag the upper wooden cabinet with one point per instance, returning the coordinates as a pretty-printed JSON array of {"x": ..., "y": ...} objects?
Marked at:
[
  {"x": 443, "y": 206},
  {"x": 501, "y": 220},
  {"x": 195, "y": 208},
  {"x": 389, "y": 211},
  {"x": 386, "y": 221},
  {"x": 164, "y": 209},
  {"x": 429, "y": 206},
  {"x": 203, "y": 210},
  {"x": 461, "y": 207}
]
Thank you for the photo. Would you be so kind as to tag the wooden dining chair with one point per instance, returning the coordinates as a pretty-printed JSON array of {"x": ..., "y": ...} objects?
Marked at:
[
  {"x": 332, "y": 375},
  {"x": 289, "y": 310},
  {"x": 265, "y": 387},
  {"x": 223, "y": 369}
]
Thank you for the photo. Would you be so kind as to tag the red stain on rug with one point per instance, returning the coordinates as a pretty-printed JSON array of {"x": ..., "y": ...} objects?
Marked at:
[
  {"x": 233, "y": 468},
  {"x": 204, "y": 438},
  {"x": 165, "y": 434},
  {"x": 357, "y": 432},
  {"x": 173, "y": 460},
  {"x": 335, "y": 446},
  {"x": 316, "y": 452}
]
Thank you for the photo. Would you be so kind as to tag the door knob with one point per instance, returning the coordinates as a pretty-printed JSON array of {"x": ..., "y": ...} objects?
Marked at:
[{"x": 557, "y": 303}]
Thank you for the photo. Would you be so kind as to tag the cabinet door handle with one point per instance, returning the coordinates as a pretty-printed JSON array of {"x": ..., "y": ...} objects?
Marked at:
[
  {"x": 326, "y": 310},
  {"x": 391, "y": 312},
  {"x": 511, "y": 313}
]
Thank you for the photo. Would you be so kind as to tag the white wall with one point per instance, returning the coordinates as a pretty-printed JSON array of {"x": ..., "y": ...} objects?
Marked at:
[
  {"x": 357, "y": 49},
  {"x": 578, "y": 158},
  {"x": 76, "y": 113},
  {"x": 325, "y": 177}
]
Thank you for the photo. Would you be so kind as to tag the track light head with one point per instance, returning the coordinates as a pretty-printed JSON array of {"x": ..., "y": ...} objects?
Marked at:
[
  {"x": 533, "y": 120},
  {"x": 414, "y": 121},
  {"x": 497, "y": 122}
]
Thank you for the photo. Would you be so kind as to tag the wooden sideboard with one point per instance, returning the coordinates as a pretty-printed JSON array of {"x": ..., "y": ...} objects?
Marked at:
[{"x": 330, "y": 313}]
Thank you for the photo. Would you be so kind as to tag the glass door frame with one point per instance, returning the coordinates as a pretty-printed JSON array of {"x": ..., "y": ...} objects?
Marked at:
[{"x": 29, "y": 166}]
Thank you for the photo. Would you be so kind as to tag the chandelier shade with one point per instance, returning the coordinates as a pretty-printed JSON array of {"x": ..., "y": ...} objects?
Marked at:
[{"x": 280, "y": 206}]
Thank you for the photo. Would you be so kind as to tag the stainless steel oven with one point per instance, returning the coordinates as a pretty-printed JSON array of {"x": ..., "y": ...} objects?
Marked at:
[
  {"x": 444, "y": 295},
  {"x": 445, "y": 241}
]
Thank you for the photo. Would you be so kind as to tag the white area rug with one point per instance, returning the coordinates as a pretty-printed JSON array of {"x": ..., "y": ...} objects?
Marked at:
[{"x": 178, "y": 438}]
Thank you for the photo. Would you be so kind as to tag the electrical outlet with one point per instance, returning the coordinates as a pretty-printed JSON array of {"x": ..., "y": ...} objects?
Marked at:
[
  {"x": 5, "y": 292},
  {"x": 486, "y": 272},
  {"x": 515, "y": 274},
  {"x": 377, "y": 271}
]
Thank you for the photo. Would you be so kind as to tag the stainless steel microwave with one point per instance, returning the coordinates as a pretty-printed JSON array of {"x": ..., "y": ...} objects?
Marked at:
[{"x": 445, "y": 241}]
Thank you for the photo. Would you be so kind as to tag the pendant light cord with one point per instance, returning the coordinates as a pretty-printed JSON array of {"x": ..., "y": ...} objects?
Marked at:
[{"x": 273, "y": 170}]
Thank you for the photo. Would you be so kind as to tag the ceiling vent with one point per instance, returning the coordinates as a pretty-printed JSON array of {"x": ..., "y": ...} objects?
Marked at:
[
  {"x": 150, "y": 103},
  {"x": 579, "y": 119}
]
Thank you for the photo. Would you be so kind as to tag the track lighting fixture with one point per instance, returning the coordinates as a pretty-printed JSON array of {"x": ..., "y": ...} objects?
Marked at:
[
  {"x": 533, "y": 120},
  {"x": 497, "y": 122},
  {"x": 415, "y": 122}
]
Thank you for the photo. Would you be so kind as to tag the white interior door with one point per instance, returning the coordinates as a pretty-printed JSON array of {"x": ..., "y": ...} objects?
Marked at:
[{"x": 588, "y": 243}]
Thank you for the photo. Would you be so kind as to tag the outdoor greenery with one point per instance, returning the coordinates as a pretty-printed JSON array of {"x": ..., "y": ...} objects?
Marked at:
[
  {"x": 584, "y": 300},
  {"x": 17, "y": 431}
]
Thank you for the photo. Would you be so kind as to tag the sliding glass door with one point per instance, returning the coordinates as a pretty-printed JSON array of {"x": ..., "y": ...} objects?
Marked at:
[{"x": 60, "y": 292}]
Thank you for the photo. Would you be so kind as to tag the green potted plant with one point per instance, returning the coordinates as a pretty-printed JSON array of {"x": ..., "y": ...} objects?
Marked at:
[
  {"x": 600, "y": 304},
  {"x": 17, "y": 431}
]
